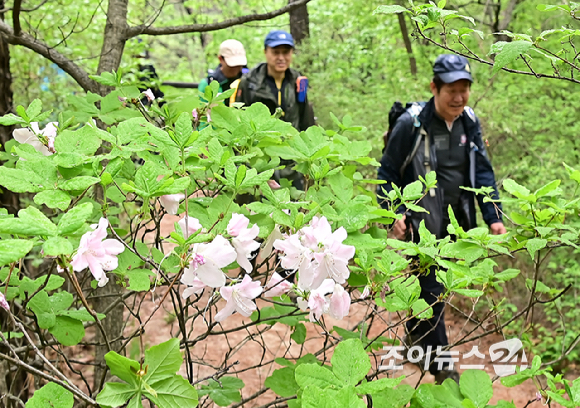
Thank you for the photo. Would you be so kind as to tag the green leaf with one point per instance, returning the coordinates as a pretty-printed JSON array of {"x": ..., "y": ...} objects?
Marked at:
[
  {"x": 476, "y": 385},
  {"x": 534, "y": 245},
  {"x": 282, "y": 382},
  {"x": 226, "y": 394},
  {"x": 53, "y": 199},
  {"x": 350, "y": 362},
  {"x": 21, "y": 181},
  {"x": 299, "y": 334},
  {"x": 55, "y": 246},
  {"x": 123, "y": 367},
  {"x": 30, "y": 221},
  {"x": 81, "y": 314},
  {"x": 508, "y": 53},
  {"x": 547, "y": 189},
  {"x": 394, "y": 397},
  {"x": 106, "y": 78},
  {"x": 163, "y": 360},
  {"x": 74, "y": 219},
  {"x": 392, "y": 9},
  {"x": 116, "y": 394},
  {"x": 342, "y": 186},
  {"x": 84, "y": 141},
  {"x": 422, "y": 307},
  {"x": 173, "y": 392},
  {"x": 315, "y": 375},
  {"x": 462, "y": 250},
  {"x": 51, "y": 396},
  {"x": 469, "y": 292},
  {"x": 11, "y": 250},
  {"x": 376, "y": 386},
  {"x": 68, "y": 331},
  {"x": 183, "y": 128},
  {"x": 78, "y": 183},
  {"x": 11, "y": 119},
  {"x": 34, "y": 109},
  {"x": 139, "y": 279}
]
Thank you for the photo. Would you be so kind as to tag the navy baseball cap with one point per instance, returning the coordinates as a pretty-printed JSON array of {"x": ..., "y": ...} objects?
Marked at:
[
  {"x": 278, "y": 37},
  {"x": 451, "y": 68}
]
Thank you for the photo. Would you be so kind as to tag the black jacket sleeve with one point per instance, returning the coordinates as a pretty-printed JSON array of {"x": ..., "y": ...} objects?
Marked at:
[{"x": 398, "y": 148}]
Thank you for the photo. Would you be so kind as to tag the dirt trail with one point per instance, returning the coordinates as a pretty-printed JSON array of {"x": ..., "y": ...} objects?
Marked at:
[{"x": 276, "y": 339}]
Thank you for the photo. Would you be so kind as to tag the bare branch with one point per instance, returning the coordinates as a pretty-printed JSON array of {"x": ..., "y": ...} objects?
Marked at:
[
  {"x": 196, "y": 28},
  {"x": 41, "y": 48}
]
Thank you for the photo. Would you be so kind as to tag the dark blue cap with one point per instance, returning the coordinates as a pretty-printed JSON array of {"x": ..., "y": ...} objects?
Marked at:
[
  {"x": 451, "y": 68},
  {"x": 278, "y": 37}
]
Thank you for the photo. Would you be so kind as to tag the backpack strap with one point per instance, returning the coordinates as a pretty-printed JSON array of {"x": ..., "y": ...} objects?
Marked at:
[
  {"x": 414, "y": 110},
  {"x": 235, "y": 85},
  {"x": 426, "y": 157}
]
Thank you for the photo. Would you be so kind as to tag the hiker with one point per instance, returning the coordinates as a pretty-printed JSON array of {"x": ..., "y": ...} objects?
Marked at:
[
  {"x": 232, "y": 58},
  {"x": 442, "y": 135},
  {"x": 276, "y": 85}
]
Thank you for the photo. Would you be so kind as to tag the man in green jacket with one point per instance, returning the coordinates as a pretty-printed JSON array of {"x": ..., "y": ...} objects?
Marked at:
[
  {"x": 232, "y": 57},
  {"x": 276, "y": 85}
]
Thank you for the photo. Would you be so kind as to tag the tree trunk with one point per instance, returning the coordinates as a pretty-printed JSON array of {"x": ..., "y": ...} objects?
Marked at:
[
  {"x": 111, "y": 53},
  {"x": 8, "y": 199},
  {"x": 114, "y": 39},
  {"x": 299, "y": 23},
  {"x": 407, "y": 40}
]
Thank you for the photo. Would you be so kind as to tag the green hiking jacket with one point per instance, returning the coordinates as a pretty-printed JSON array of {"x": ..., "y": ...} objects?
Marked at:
[{"x": 255, "y": 88}]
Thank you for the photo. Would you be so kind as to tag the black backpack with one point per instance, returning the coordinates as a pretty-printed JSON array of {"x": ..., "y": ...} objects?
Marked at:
[{"x": 396, "y": 110}]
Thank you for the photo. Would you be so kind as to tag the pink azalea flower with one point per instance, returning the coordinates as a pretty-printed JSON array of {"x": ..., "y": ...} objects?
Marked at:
[
  {"x": 365, "y": 292},
  {"x": 274, "y": 185},
  {"x": 171, "y": 202},
  {"x": 195, "y": 115},
  {"x": 239, "y": 298},
  {"x": 3, "y": 303},
  {"x": 269, "y": 244},
  {"x": 339, "y": 303},
  {"x": 208, "y": 115},
  {"x": 208, "y": 259},
  {"x": 237, "y": 224},
  {"x": 245, "y": 244},
  {"x": 192, "y": 226},
  {"x": 277, "y": 286},
  {"x": 318, "y": 232},
  {"x": 97, "y": 253},
  {"x": 333, "y": 260},
  {"x": 149, "y": 94},
  {"x": 196, "y": 286},
  {"x": 296, "y": 256},
  {"x": 317, "y": 300},
  {"x": 24, "y": 135}
]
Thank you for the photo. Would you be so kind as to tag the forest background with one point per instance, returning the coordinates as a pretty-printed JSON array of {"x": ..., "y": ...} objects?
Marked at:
[{"x": 358, "y": 63}]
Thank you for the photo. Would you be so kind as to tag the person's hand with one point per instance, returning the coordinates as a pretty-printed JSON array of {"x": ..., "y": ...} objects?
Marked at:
[
  {"x": 497, "y": 228},
  {"x": 400, "y": 229}
]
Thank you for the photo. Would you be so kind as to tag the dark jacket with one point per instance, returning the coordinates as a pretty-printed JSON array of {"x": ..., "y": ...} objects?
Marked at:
[
  {"x": 480, "y": 171},
  {"x": 218, "y": 75},
  {"x": 254, "y": 87}
]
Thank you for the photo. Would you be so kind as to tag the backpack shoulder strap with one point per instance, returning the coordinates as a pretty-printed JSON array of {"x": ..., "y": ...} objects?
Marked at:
[{"x": 419, "y": 132}]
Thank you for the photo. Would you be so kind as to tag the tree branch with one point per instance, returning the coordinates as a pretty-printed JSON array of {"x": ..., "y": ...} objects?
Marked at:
[
  {"x": 196, "y": 28},
  {"x": 41, "y": 48}
]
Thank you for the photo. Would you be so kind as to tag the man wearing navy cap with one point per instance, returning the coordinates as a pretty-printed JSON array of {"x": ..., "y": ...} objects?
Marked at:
[
  {"x": 442, "y": 135},
  {"x": 276, "y": 85}
]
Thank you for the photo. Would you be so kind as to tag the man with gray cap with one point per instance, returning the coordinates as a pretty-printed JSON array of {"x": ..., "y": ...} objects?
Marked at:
[
  {"x": 442, "y": 135},
  {"x": 276, "y": 85},
  {"x": 232, "y": 57}
]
